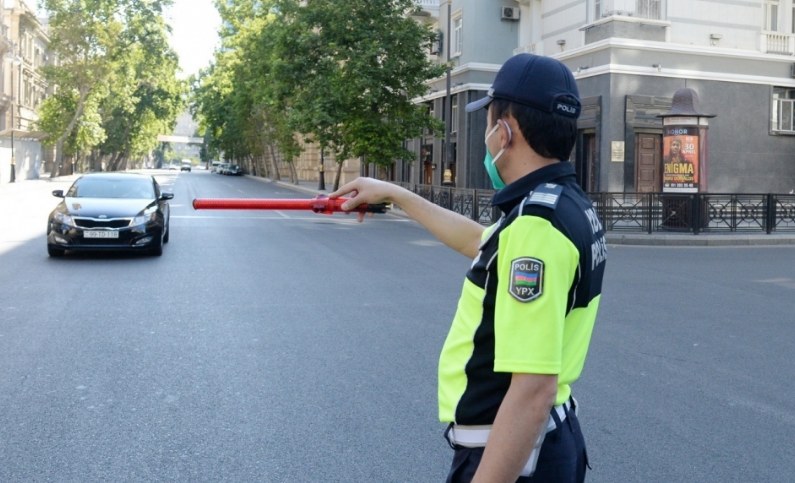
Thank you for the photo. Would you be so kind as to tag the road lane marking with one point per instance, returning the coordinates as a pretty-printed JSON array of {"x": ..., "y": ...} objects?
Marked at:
[{"x": 781, "y": 282}]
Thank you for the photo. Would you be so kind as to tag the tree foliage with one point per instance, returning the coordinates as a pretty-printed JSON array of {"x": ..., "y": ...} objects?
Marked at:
[
  {"x": 115, "y": 77},
  {"x": 340, "y": 73}
]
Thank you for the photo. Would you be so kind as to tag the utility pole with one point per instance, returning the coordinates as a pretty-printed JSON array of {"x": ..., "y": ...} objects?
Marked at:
[
  {"x": 15, "y": 61},
  {"x": 13, "y": 176},
  {"x": 447, "y": 173},
  {"x": 321, "y": 183}
]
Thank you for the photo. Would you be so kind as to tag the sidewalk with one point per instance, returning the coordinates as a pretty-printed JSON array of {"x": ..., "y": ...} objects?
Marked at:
[
  {"x": 27, "y": 187},
  {"x": 24, "y": 206},
  {"x": 620, "y": 238}
]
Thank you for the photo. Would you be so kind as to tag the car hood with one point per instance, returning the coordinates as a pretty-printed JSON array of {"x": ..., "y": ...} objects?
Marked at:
[{"x": 105, "y": 207}]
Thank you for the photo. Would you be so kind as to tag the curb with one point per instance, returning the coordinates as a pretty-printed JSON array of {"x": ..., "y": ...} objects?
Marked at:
[{"x": 709, "y": 240}]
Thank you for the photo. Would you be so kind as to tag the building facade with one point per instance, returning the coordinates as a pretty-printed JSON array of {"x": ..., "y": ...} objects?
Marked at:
[
  {"x": 629, "y": 58},
  {"x": 23, "y": 47}
]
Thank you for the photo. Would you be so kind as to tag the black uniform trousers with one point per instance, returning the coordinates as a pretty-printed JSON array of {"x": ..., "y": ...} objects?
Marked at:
[{"x": 563, "y": 458}]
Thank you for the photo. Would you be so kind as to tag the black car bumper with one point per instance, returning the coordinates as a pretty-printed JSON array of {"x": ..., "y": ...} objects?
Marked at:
[{"x": 142, "y": 237}]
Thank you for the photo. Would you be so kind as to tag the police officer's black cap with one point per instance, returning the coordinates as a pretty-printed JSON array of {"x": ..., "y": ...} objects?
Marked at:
[{"x": 540, "y": 82}]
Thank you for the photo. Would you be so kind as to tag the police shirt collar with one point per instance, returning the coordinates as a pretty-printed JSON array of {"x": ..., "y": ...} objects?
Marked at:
[{"x": 515, "y": 192}]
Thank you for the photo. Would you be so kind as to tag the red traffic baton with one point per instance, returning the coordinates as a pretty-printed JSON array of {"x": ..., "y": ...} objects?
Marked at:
[{"x": 320, "y": 204}]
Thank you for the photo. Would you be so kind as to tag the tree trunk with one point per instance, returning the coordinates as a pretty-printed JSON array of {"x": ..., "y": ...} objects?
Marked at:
[
  {"x": 276, "y": 175},
  {"x": 114, "y": 163},
  {"x": 293, "y": 173},
  {"x": 337, "y": 177},
  {"x": 57, "y": 160},
  {"x": 262, "y": 165},
  {"x": 81, "y": 101},
  {"x": 96, "y": 160}
]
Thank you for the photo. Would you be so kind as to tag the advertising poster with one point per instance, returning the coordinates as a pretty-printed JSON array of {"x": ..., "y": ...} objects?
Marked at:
[{"x": 680, "y": 159}]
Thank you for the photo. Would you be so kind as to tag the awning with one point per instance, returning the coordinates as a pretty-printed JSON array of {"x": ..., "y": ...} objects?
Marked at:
[{"x": 24, "y": 135}]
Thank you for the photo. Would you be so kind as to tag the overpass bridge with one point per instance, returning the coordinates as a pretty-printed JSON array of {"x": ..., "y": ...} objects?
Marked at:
[{"x": 165, "y": 138}]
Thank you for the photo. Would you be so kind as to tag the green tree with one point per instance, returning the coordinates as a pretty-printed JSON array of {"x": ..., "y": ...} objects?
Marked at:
[
  {"x": 81, "y": 37},
  {"x": 233, "y": 99},
  {"x": 340, "y": 73},
  {"x": 115, "y": 77},
  {"x": 361, "y": 62},
  {"x": 146, "y": 95}
]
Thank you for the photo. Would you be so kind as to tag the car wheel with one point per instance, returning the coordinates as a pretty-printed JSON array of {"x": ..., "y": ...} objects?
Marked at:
[
  {"x": 168, "y": 232},
  {"x": 55, "y": 252},
  {"x": 157, "y": 250}
]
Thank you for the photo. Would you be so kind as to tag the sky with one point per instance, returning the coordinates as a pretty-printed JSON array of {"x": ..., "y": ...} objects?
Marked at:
[{"x": 194, "y": 36}]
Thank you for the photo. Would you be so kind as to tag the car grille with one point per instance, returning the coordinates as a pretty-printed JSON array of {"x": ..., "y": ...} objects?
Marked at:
[{"x": 102, "y": 223}]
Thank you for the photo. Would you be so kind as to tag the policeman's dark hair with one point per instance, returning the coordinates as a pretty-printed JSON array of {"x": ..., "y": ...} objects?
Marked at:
[{"x": 550, "y": 135}]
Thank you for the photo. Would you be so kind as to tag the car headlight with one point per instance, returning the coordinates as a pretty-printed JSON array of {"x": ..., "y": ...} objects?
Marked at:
[
  {"x": 145, "y": 216},
  {"x": 63, "y": 219}
]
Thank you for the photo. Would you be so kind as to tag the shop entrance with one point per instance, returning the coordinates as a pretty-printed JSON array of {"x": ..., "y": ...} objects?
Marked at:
[{"x": 587, "y": 174}]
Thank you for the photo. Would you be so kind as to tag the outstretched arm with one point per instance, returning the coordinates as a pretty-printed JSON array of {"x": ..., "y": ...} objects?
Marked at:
[{"x": 456, "y": 231}]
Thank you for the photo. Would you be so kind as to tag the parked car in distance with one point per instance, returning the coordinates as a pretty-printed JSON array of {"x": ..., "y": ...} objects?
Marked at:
[
  {"x": 110, "y": 211},
  {"x": 185, "y": 166},
  {"x": 214, "y": 166},
  {"x": 234, "y": 170},
  {"x": 223, "y": 167}
]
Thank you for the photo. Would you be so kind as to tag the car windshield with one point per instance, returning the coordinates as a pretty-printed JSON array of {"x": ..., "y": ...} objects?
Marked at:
[{"x": 131, "y": 188}]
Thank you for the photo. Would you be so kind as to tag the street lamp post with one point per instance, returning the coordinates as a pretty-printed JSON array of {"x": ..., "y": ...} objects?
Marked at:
[
  {"x": 321, "y": 182},
  {"x": 448, "y": 108},
  {"x": 15, "y": 61},
  {"x": 13, "y": 176}
]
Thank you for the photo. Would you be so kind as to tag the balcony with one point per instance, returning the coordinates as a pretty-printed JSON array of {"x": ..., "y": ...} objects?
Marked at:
[
  {"x": 429, "y": 6},
  {"x": 778, "y": 43}
]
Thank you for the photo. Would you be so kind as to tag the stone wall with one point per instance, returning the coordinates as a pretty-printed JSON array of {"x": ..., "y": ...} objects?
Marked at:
[{"x": 307, "y": 166}]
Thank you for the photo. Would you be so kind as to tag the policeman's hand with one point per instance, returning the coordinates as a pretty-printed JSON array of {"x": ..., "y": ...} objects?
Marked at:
[{"x": 365, "y": 190}]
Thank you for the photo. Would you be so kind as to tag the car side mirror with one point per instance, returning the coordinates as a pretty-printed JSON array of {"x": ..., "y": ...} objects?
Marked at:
[
  {"x": 166, "y": 196},
  {"x": 58, "y": 193}
]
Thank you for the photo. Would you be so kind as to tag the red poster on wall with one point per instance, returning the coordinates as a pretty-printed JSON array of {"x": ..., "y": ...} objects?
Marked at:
[{"x": 680, "y": 159}]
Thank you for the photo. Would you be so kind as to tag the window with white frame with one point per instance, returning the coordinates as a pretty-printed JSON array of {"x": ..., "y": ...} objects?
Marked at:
[
  {"x": 648, "y": 9},
  {"x": 792, "y": 27},
  {"x": 783, "y": 110},
  {"x": 771, "y": 15},
  {"x": 27, "y": 92},
  {"x": 651, "y": 9},
  {"x": 458, "y": 35}
]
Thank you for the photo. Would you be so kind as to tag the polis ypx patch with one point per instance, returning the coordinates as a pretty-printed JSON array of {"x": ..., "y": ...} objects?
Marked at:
[{"x": 527, "y": 279}]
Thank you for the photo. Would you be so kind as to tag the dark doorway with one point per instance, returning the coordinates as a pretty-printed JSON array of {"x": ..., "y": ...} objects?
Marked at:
[
  {"x": 426, "y": 156},
  {"x": 648, "y": 158},
  {"x": 587, "y": 172}
]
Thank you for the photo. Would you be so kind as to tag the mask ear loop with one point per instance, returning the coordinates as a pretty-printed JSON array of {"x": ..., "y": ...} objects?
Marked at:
[
  {"x": 510, "y": 133},
  {"x": 492, "y": 131}
]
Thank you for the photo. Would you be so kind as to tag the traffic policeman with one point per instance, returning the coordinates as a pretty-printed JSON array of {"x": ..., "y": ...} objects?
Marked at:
[{"x": 529, "y": 301}]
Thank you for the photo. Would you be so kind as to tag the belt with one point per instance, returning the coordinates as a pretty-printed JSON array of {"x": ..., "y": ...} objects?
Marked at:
[{"x": 476, "y": 436}]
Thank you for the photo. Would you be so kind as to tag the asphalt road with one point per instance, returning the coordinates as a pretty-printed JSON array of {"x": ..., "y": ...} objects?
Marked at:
[{"x": 292, "y": 347}]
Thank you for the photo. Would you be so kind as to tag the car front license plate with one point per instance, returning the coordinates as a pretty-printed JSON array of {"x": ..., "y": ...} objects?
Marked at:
[{"x": 101, "y": 234}]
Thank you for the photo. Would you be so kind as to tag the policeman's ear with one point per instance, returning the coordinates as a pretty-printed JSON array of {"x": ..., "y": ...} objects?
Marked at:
[{"x": 508, "y": 136}]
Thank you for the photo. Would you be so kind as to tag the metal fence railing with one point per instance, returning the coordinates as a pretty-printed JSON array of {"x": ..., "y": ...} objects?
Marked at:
[
  {"x": 475, "y": 204},
  {"x": 647, "y": 212}
]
